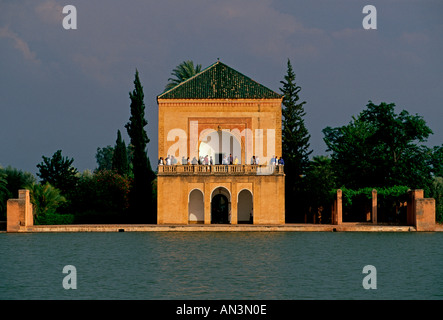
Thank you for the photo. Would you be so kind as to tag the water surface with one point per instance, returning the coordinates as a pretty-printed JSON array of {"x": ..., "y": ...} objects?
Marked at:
[{"x": 221, "y": 265}]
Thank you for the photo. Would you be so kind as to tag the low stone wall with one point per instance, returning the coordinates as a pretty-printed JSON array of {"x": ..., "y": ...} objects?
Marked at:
[
  {"x": 344, "y": 227},
  {"x": 422, "y": 213},
  {"x": 420, "y": 210}
]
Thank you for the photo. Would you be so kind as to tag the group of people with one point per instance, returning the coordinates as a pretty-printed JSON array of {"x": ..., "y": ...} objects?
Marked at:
[
  {"x": 274, "y": 161},
  {"x": 171, "y": 160},
  {"x": 277, "y": 162},
  {"x": 230, "y": 160}
]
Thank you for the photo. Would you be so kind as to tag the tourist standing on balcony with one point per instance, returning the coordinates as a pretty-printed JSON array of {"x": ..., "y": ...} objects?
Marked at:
[
  {"x": 211, "y": 162},
  {"x": 281, "y": 162},
  {"x": 257, "y": 160},
  {"x": 160, "y": 161},
  {"x": 225, "y": 160},
  {"x": 231, "y": 160},
  {"x": 273, "y": 161},
  {"x": 236, "y": 160},
  {"x": 206, "y": 160},
  {"x": 253, "y": 160}
]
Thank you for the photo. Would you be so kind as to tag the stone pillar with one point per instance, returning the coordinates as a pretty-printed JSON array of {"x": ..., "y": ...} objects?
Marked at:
[
  {"x": 207, "y": 203},
  {"x": 234, "y": 208},
  {"x": 333, "y": 206},
  {"x": 337, "y": 213},
  {"x": 413, "y": 195},
  {"x": 374, "y": 206},
  {"x": 425, "y": 214},
  {"x": 19, "y": 212},
  {"x": 421, "y": 211}
]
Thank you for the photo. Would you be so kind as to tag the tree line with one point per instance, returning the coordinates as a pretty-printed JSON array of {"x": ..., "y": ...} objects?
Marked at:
[
  {"x": 120, "y": 190},
  {"x": 379, "y": 148}
]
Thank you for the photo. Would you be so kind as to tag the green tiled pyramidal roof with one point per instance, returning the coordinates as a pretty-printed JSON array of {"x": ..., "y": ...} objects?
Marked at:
[{"x": 219, "y": 81}]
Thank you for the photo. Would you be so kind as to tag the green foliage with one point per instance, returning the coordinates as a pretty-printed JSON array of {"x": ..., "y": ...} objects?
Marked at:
[
  {"x": 4, "y": 195},
  {"x": 380, "y": 148},
  {"x": 101, "y": 198},
  {"x": 389, "y": 193},
  {"x": 295, "y": 143},
  {"x": 320, "y": 180},
  {"x": 295, "y": 136},
  {"x": 120, "y": 157},
  {"x": 437, "y": 161},
  {"x": 143, "y": 175},
  {"x": 436, "y": 192},
  {"x": 55, "y": 219},
  {"x": 112, "y": 191},
  {"x": 46, "y": 199},
  {"x": 390, "y": 202},
  {"x": 182, "y": 72},
  {"x": 58, "y": 171},
  {"x": 17, "y": 179},
  {"x": 12, "y": 180},
  {"x": 104, "y": 158}
]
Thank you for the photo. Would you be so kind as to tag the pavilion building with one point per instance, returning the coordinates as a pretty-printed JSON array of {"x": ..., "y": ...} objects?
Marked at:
[{"x": 217, "y": 115}]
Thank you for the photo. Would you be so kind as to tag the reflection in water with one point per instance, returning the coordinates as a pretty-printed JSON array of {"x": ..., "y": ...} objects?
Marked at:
[{"x": 221, "y": 265}]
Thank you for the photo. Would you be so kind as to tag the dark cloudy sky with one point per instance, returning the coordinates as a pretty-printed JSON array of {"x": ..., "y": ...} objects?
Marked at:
[{"x": 68, "y": 89}]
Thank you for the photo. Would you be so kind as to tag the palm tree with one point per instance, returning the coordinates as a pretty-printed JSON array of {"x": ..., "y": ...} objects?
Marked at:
[
  {"x": 182, "y": 72},
  {"x": 45, "y": 198},
  {"x": 4, "y": 195}
]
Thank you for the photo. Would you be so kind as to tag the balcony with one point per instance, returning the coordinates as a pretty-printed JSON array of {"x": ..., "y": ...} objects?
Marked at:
[{"x": 220, "y": 170}]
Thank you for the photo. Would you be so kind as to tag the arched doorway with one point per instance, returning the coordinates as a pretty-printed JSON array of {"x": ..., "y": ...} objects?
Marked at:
[
  {"x": 221, "y": 206},
  {"x": 196, "y": 207},
  {"x": 245, "y": 207}
]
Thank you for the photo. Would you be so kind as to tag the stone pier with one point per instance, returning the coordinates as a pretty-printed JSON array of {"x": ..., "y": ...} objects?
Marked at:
[{"x": 19, "y": 212}]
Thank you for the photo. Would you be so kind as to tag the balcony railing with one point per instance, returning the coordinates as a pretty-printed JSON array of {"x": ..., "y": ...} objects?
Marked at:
[{"x": 241, "y": 169}]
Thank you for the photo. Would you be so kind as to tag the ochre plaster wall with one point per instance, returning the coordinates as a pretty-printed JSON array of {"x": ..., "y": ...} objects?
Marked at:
[
  {"x": 267, "y": 194},
  {"x": 253, "y": 114}
]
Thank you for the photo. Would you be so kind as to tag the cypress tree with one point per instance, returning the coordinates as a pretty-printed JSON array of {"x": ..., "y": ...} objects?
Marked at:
[
  {"x": 120, "y": 157},
  {"x": 295, "y": 138},
  {"x": 141, "y": 191}
]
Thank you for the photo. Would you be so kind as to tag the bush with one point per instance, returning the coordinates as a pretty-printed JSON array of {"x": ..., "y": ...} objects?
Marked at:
[
  {"x": 54, "y": 219},
  {"x": 100, "y": 198},
  {"x": 4, "y": 195},
  {"x": 436, "y": 192}
]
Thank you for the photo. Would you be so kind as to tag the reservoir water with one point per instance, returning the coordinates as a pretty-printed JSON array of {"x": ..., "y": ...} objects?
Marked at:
[{"x": 222, "y": 265}]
